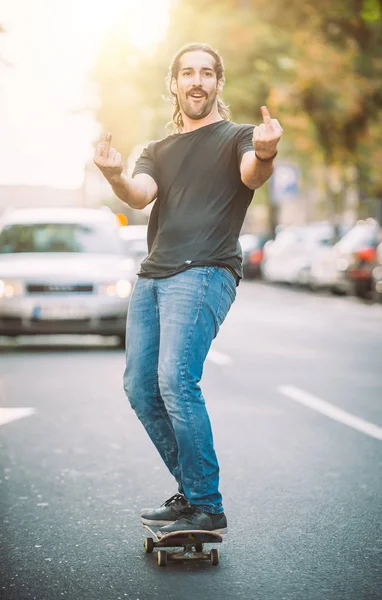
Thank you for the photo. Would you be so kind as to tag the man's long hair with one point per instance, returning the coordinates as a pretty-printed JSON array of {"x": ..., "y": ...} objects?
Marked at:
[{"x": 223, "y": 108}]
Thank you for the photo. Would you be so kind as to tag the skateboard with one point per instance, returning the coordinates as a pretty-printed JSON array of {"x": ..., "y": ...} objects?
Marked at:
[{"x": 192, "y": 543}]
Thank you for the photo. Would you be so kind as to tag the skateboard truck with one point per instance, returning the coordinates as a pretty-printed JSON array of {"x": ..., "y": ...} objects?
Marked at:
[{"x": 192, "y": 543}]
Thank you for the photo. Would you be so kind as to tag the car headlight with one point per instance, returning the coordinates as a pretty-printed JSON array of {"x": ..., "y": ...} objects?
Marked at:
[
  {"x": 116, "y": 289},
  {"x": 11, "y": 288}
]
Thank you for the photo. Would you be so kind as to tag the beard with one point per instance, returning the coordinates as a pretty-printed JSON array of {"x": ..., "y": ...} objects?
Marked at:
[{"x": 197, "y": 110}]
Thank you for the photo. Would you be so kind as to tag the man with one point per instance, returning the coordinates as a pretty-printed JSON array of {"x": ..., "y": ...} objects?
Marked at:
[{"x": 202, "y": 179}]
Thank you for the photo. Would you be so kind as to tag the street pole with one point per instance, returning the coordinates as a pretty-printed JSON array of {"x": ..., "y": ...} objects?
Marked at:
[{"x": 273, "y": 211}]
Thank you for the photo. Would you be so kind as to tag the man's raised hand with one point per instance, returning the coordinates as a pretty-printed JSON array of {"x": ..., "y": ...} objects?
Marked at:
[
  {"x": 266, "y": 136},
  {"x": 108, "y": 160}
]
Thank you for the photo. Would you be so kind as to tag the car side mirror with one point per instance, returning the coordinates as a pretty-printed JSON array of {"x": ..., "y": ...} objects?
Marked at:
[{"x": 268, "y": 244}]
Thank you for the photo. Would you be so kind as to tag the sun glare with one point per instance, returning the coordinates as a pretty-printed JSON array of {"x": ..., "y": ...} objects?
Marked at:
[
  {"x": 52, "y": 50},
  {"x": 146, "y": 20},
  {"x": 149, "y": 23}
]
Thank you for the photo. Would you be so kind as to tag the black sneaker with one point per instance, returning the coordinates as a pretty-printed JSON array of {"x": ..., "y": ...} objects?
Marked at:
[
  {"x": 193, "y": 518},
  {"x": 169, "y": 511}
]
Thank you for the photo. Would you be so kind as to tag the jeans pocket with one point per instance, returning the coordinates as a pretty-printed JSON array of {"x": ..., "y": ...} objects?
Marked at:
[
  {"x": 230, "y": 287},
  {"x": 228, "y": 295}
]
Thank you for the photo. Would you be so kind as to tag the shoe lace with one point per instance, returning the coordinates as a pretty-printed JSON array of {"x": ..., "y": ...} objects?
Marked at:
[{"x": 174, "y": 499}]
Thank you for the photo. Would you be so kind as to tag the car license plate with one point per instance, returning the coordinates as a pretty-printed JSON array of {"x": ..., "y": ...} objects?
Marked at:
[{"x": 58, "y": 312}]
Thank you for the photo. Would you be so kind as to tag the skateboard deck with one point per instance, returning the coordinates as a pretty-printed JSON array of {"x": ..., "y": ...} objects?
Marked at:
[{"x": 192, "y": 543}]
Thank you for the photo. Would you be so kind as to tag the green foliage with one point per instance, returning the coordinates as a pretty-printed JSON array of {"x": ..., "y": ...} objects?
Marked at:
[{"x": 371, "y": 11}]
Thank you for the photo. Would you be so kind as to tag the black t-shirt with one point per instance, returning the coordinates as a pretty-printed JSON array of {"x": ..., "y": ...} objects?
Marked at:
[{"x": 201, "y": 204}]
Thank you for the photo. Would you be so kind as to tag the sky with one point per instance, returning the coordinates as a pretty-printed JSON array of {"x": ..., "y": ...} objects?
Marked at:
[{"x": 46, "y": 55}]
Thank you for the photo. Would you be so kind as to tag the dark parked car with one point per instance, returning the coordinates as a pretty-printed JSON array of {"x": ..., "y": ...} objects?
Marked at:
[
  {"x": 362, "y": 242},
  {"x": 377, "y": 275},
  {"x": 253, "y": 250}
]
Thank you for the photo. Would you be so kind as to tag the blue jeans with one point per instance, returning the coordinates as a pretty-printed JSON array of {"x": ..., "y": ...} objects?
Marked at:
[{"x": 170, "y": 326}]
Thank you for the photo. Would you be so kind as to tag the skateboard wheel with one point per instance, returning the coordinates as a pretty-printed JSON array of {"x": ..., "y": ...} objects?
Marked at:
[
  {"x": 199, "y": 547},
  {"x": 149, "y": 545},
  {"x": 214, "y": 556},
  {"x": 162, "y": 558}
]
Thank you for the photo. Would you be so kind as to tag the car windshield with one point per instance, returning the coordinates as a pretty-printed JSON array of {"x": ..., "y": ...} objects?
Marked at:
[
  {"x": 359, "y": 236},
  {"x": 57, "y": 237},
  {"x": 249, "y": 241},
  {"x": 287, "y": 237},
  {"x": 135, "y": 247}
]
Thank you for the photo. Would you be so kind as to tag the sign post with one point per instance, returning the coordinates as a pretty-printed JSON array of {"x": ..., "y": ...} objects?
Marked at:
[{"x": 284, "y": 185}]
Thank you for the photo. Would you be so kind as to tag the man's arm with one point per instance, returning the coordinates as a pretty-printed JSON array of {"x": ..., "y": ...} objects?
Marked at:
[
  {"x": 254, "y": 172},
  {"x": 257, "y": 166},
  {"x": 137, "y": 192}
]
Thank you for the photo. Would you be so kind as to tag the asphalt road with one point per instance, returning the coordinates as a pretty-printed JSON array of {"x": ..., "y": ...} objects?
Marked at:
[{"x": 294, "y": 389}]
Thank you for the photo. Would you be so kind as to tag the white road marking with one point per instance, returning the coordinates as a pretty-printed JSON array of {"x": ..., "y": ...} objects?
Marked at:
[
  {"x": 218, "y": 358},
  {"x": 331, "y": 411},
  {"x": 12, "y": 414}
]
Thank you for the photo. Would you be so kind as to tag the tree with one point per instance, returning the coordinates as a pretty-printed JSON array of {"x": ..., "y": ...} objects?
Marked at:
[{"x": 338, "y": 75}]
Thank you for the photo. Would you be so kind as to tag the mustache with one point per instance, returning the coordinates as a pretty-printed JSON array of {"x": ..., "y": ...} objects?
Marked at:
[{"x": 199, "y": 91}]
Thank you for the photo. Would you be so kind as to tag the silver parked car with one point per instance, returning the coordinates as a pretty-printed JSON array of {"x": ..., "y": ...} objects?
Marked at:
[
  {"x": 347, "y": 267},
  {"x": 62, "y": 271},
  {"x": 289, "y": 257},
  {"x": 134, "y": 243}
]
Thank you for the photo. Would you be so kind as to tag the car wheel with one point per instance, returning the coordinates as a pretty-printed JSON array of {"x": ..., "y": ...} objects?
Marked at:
[
  {"x": 362, "y": 289},
  {"x": 313, "y": 285},
  {"x": 337, "y": 292},
  {"x": 248, "y": 274},
  {"x": 121, "y": 342},
  {"x": 303, "y": 277}
]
